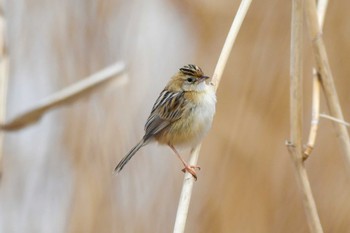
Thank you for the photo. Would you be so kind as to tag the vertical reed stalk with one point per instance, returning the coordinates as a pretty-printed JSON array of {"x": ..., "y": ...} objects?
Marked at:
[
  {"x": 295, "y": 145},
  {"x": 315, "y": 118},
  {"x": 4, "y": 61},
  {"x": 187, "y": 186}
]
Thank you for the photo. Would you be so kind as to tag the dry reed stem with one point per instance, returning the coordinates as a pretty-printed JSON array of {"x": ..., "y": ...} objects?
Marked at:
[
  {"x": 315, "y": 119},
  {"x": 327, "y": 81},
  {"x": 4, "y": 64},
  {"x": 185, "y": 197},
  {"x": 325, "y": 116},
  {"x": 295, "y": 144},
  {"x": 67, "y": 95},
  {"x": 321, "y": 13}
]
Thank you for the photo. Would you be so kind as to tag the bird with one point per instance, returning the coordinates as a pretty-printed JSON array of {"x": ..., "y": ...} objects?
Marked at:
[{"x": 181, "y": 116}]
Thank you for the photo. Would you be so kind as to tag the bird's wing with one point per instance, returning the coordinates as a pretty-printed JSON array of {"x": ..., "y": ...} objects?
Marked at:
[{"x": 168, "y": 108}]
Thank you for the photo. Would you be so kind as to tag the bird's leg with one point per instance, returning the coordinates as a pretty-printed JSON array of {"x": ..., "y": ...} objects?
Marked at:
[{"x": 189, "y": 168}]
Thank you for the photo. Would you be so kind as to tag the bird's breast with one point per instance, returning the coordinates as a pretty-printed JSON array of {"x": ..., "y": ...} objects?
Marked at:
[{"x": 195, "y": 122}]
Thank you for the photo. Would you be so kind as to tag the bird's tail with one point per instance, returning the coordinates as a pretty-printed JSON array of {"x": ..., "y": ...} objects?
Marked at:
[{"x": 127, "y": 157}]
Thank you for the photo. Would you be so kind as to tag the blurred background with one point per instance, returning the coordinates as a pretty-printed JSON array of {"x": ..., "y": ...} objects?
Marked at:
[{"x": 57, "y": 174}]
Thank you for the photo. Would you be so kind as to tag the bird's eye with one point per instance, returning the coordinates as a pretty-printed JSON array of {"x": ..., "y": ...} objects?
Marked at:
[{"x": 190, "y": 80}]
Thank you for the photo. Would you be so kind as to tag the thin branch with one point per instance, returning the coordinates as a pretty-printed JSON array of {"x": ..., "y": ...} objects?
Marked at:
[
  {"x": 315, "y": 115},
  {"x": 327, "y": 81},
  {"x": 335, "y": 119},
  {"x": 186, "y": 192},
  {"x": 295, "y": 145},
  {"x": 67, "y": 95}
]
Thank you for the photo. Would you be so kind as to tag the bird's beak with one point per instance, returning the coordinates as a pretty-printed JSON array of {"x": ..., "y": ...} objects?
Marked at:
[{"x": 203, "y": 78}]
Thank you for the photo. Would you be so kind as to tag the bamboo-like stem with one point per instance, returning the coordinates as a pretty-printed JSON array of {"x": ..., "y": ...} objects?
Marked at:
[
  {"x": 185, "y": 197},
  {"x": 327, "y": 81},
  {"x": 295, "y": 144},
  {"x": 315, "y": 119},
  {"x": 67, "y": 95}
]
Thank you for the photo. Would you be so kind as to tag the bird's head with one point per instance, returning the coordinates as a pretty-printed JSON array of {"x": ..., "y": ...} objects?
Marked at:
[{"x": 189, "y": 78}]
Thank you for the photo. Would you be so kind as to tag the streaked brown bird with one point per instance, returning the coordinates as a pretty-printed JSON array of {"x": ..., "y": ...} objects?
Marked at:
[{"x": 181, "y": 116}]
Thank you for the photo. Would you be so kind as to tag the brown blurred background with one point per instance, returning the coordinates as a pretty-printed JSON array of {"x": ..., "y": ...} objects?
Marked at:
[{"x": 57, "y": 174}]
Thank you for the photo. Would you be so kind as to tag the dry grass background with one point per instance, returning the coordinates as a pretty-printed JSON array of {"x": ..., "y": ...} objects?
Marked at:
[{"x": 57, "y": 173}]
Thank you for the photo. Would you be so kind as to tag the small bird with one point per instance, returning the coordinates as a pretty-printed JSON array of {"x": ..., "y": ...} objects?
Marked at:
[{"x": 181, "y": 116}]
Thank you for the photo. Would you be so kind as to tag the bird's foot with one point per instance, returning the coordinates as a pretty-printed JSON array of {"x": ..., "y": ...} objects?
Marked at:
[{"x": 191, "y": 169}]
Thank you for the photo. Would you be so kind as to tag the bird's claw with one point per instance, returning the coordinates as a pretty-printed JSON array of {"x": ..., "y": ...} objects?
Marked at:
[{"x": 191, "y": 169}]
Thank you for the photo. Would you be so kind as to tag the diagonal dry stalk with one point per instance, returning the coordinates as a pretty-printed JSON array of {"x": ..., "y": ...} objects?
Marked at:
[
  {"x": 327, "y": 81},
  {"x": 321, "y": 12},
  {"x": 67, "y": 95},
  {"x": 325, "y": 116},
  {"x": 185, "y": 197},
  {"x": 295, "y": 144}
]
